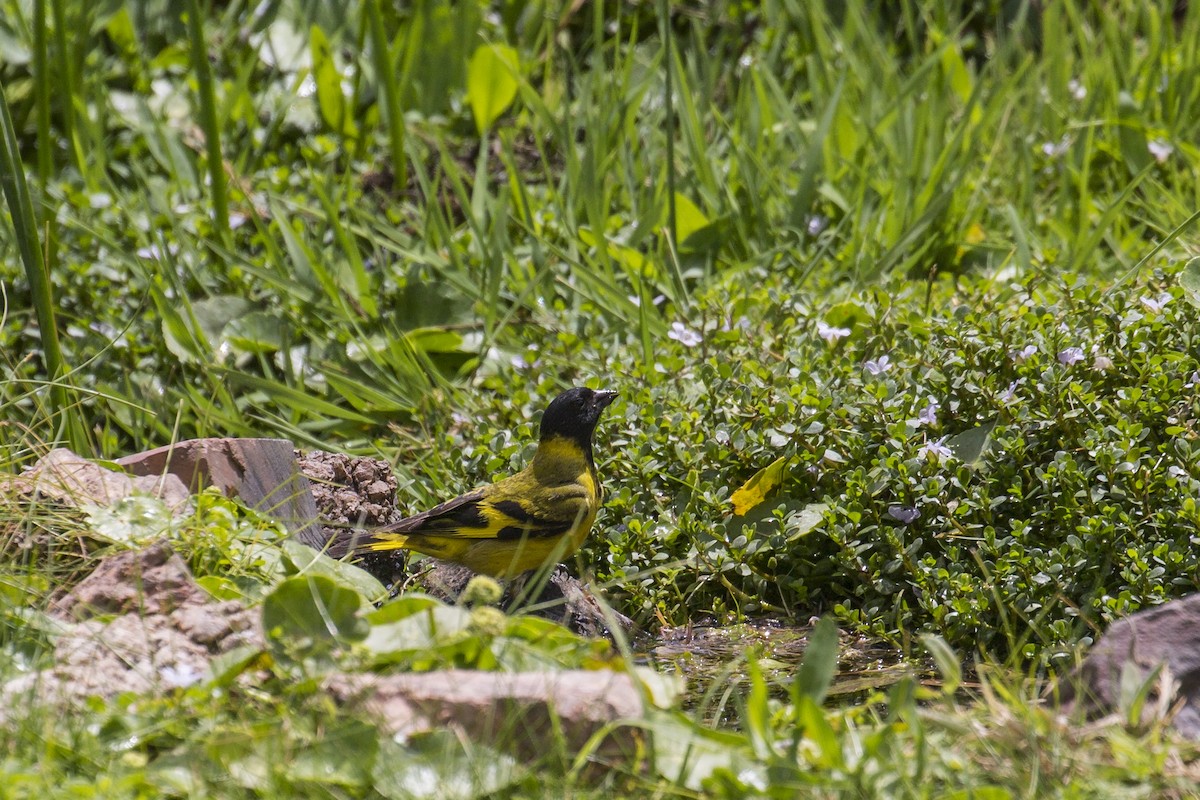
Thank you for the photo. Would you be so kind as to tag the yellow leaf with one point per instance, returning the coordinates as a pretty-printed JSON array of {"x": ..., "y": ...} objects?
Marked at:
[
  {"x": 755, "y": 490},
  {"x": 688, "y": 217}
]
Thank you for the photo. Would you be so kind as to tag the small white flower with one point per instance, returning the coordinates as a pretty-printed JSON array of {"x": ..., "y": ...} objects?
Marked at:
[
  {"x": 1072, "y": 355},
  {"x": 831, "y": 334},
  {"x": 816, "y": 224},
  {"x": 1102, "y": 363},
  {"x": 1176, "y": 471},
  {"x": 879, "y": 366},
  {"x": 1024, "y": 354},
  {"x": 180, "y": 677},
  {"x": 684, "y": 335},
  {"x": 1056, "y": 149},
  {"x": 1078, "y": 90},
  {"x": 1156, "y": 304},
  {"x": 1009, "y": 395},
  {"x": 1160, "y": 150},
  {"x": 1193, "y": 380},
  {"x": 937, "y": 450}
]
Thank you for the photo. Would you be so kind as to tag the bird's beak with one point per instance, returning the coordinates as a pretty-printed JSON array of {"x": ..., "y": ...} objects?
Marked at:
[{"x": 603, "y": 398}]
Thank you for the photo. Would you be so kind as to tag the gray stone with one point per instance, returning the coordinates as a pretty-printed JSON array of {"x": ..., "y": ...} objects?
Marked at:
[{"x": 1166, "y": 636}]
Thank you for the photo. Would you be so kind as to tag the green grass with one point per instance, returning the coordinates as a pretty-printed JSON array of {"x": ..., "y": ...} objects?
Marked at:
[{"x": 333, "y": 224}]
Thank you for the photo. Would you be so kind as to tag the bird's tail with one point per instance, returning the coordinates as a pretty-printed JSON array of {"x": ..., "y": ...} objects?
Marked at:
[
  {"x": 357, "y": 543},
  {"x": 379, "y": 542}
]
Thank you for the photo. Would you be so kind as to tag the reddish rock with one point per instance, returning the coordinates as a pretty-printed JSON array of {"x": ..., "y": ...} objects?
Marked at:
[
  {"x": 528, "y": 713},
  {"x": 262, "y": 473}
]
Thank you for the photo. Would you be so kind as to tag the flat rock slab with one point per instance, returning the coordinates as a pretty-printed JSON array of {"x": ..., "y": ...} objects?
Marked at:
[
  {"x": 64, "y": 477},
  {"x": 262, "y": 473},
  {"x": 528, "y": 713},
  {"x": 1166, "y": 636}
]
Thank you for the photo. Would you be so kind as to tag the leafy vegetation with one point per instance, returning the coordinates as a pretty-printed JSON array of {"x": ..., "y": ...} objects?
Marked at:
[{"x": 895, "y": 300}]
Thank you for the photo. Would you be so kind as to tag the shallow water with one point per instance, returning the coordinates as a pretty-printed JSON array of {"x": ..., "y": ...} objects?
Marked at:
[{"x": 713, "y": 661}]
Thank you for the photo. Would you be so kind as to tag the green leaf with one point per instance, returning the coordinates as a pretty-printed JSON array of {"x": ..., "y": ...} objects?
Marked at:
[
  {"x": 689, "y": 219},
  {"x": 404, "y": 631},
  {"x": 225, "y": 667},
  {"x": 755, "y": 490},
  {"x": 757, "y": 718},
  {"x": 823, "y": 746},
  {"x": 491, "y": 83},
  {"x": 816, "y": 672},
  {"x": 131, "y": 521},
  {"x": 301, "y": 559},
  {"x": 689, "y": 754},
  {"x": 1189, "y": 279},
  {"x": 442, "y": 766},
  {"x": 970, "y": 446},
  {"x": 848, "y": 314},
  {"x": 311, "y": 615},
  {"x": 947, "y": 661},
  {"x": 342, "y": 755},
  {"x": 331, "y": 101},
  {"x": 805, "y": 521}
]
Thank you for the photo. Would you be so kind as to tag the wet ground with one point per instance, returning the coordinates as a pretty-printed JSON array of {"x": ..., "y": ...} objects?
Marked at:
[{"x": 713, "y": 661}]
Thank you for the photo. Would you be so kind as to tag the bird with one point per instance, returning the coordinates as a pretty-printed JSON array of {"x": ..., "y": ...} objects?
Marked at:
[{"x": 521, "y": 522}]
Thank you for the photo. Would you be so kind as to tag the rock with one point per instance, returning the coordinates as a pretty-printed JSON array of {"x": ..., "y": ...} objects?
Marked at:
[
  {"x": 1167, "y": 635},
  {"x": 72, "y": 480},
  {"x": 349, "y": 491},
  {"x": 154, "y": 579},
  {"x": 531, "y": 713},
  {"x": 262, "y": 473},
  {"x": 164, "y": 634}
]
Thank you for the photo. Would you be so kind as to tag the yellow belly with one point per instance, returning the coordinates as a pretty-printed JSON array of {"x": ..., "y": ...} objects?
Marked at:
[{"x": 501, "y": 558}]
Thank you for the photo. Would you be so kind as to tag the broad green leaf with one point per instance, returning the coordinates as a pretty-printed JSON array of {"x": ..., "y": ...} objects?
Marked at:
[
  {"x": 689, "y": 754},
  {"x": 980, "y": 793},
  {"x": 436, "y": 340},
  {"x": 806, "y": 520},
  {"x": 442, "y": 766},
  {"x": 424, "y": 629},
  {"x": 225, "y": 667},
  {"x": 688, "y": 218},
  {"x": 258, "y": 332},
  {"x": 848, "y": 314},
  {"x": 341, "y": 756},
  {"x": 491, "y": 83},
  {"x": 1189, "y": 279},
  {"x": 970, "y": 446},
  {"x": 131, "y": 521},
  {"x": 311, "y": 615},
  {"x": 302, "y": 559},
  {"x": 215, "y": 313},
  {"x": 755, "y": 490}
]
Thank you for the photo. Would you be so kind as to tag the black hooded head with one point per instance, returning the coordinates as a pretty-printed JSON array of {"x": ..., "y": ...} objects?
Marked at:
[{"x": 574, "y": 414}]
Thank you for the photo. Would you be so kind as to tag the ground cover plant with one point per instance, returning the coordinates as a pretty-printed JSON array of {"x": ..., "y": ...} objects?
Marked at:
[{"x": 897, "y": 302}]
